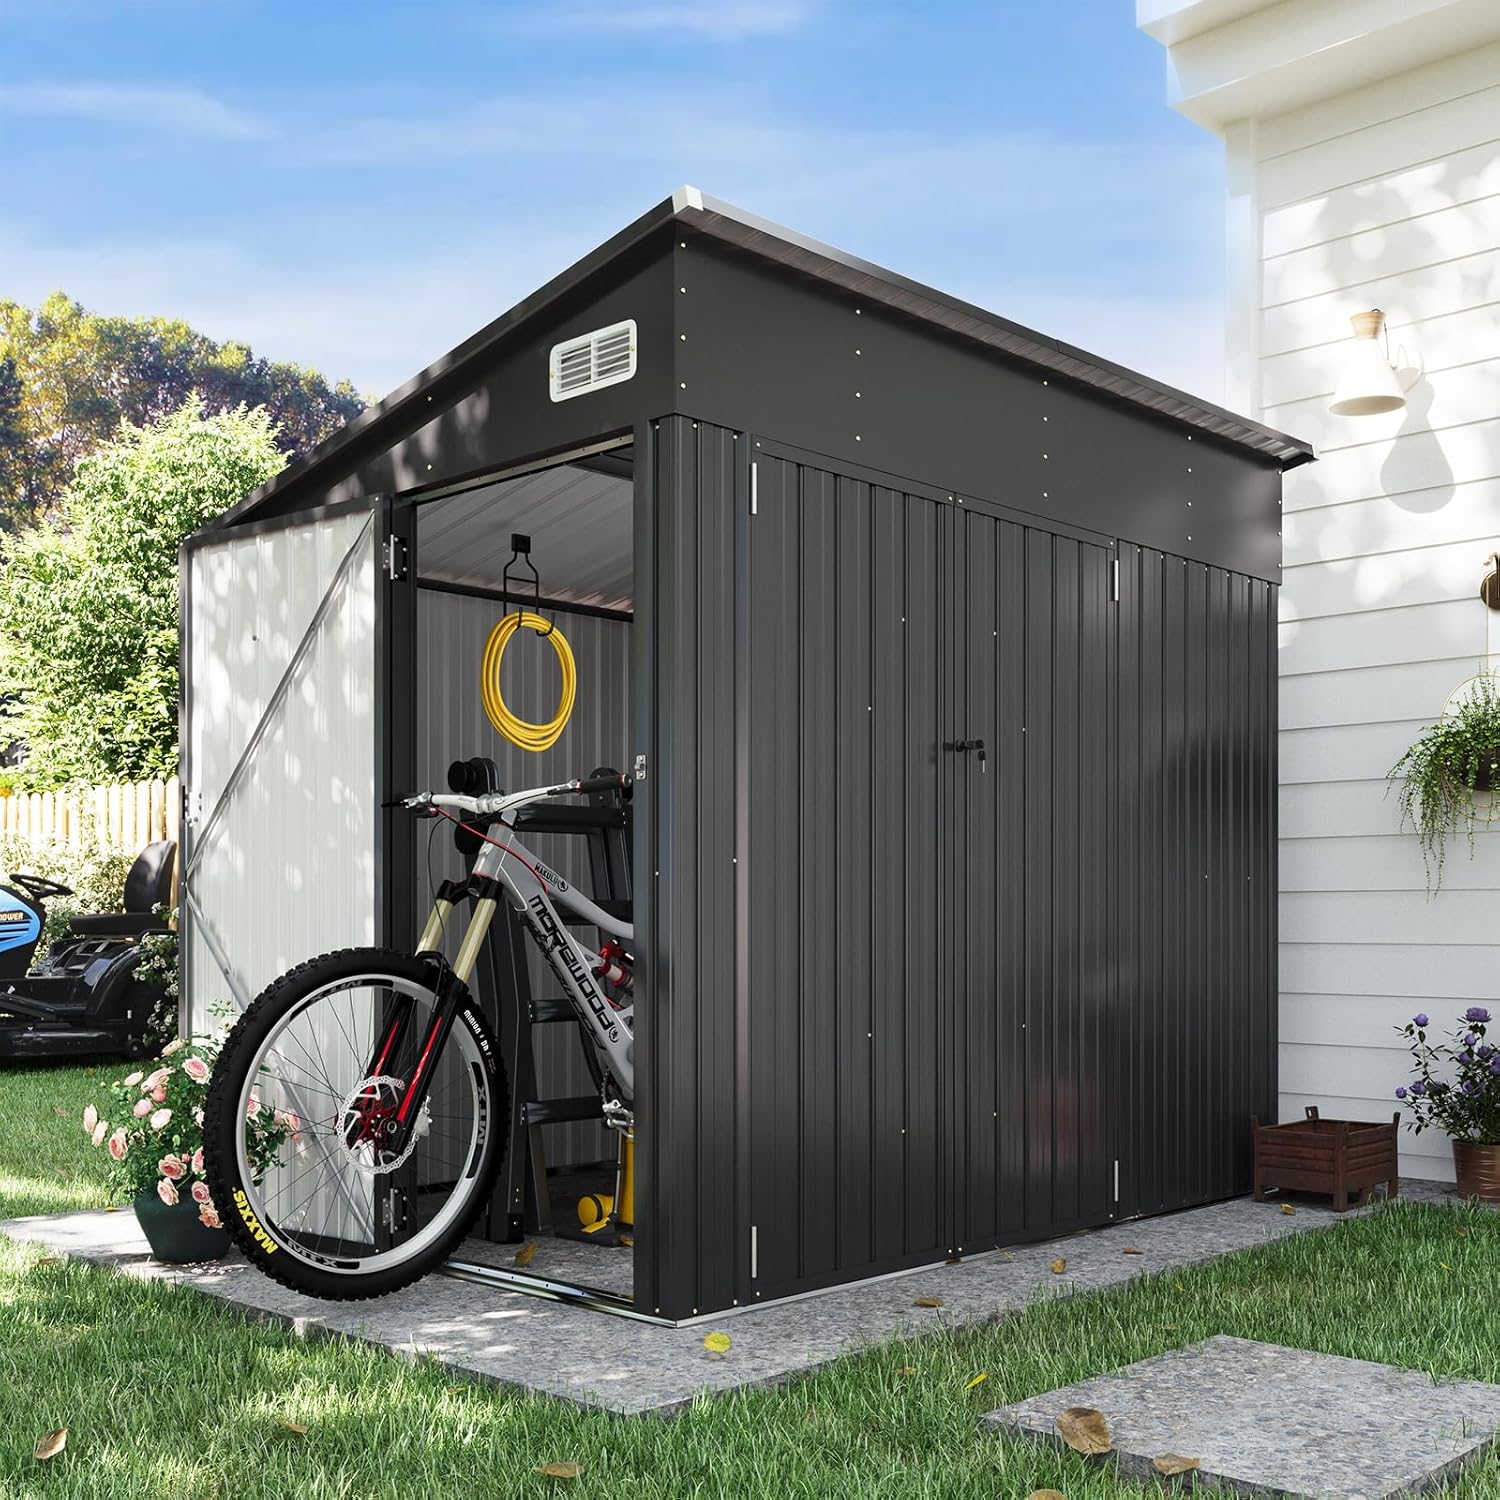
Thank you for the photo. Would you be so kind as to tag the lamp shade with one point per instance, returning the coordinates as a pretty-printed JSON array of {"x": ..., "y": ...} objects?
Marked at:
[{"x": 1368, "y": 385}]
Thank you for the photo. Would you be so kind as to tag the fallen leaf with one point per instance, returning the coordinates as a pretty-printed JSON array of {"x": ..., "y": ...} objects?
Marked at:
[
  {"x": 1131, "y": 1250},
  {"x": 1084, "y": 1430},
  {"x": 561, "y": 1471},
  {"x": 1173, "y": 1463},
  {"x": 47, "y": 1260},
  {"x": 979, "y": 1379},
  {"x": 1059, "y": 1266},
  {"x": 53, "y": 1444},
  {"x": 112, "y": 1208},
  {"x": 1171, "y": 1327},
  {"x": 953, "y": 1260},
  {"x": 1444, "y": 1264},
  {"x": 1046, "y": 1495},
  {"x": 58, "y": 1110},
  {"x": 454, "y": 1390},
  {"x": 300, "y": 1428},
  {"x": 928, "y": 1302},
  {"x": 1005, "y": 1253},
  {"x": 1461, "y": 1230},
  {"x": 1287, "y": 1208},
  {"x": 907, "y": 1370},
  {"x": 717, "y": 1343},
  {"x": 526, "y": 1254},
  {"x": 627, "y": 1240}
]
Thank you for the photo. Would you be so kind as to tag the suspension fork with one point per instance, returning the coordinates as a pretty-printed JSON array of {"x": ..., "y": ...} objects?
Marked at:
[{"x": 451, "y": 983}]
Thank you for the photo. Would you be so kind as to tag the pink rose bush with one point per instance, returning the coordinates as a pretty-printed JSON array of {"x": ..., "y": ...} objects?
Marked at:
[{"x": 159, "y": 1147}]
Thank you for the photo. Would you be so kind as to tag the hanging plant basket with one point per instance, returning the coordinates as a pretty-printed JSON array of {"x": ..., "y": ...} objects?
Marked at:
[{"x": 1447, "y": 778}]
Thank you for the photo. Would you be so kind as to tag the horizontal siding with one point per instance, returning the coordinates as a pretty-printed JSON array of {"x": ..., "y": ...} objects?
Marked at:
[
  {"x": 1403, "y": 576},
  {"x": 1371, "y": 638},
  {"x": 1389, "y": 197},
  {"x": 1445, "y": 287}
]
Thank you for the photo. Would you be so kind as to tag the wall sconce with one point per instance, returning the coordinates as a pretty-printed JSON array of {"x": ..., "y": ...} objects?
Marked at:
[
  {"x": 1489, "y": 585},
  {"x": 1370, "y": 383}
]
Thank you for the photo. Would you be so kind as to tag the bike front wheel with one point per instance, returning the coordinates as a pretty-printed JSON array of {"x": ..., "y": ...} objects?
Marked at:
[{"x": 312, "y": 1197}]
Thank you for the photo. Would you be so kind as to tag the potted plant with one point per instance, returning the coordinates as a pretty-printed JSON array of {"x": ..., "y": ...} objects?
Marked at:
[
  {"x": 1443, "y": 773},
  {"x": 1465, "y": 1104},
  {"x": 152, "y": 1129}
]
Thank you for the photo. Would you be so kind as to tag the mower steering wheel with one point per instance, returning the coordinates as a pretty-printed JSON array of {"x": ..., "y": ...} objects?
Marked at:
[{"x": 39, "y": 888}]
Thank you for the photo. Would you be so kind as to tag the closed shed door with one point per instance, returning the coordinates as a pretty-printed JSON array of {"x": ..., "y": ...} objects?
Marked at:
[
  {"x": 849, "y": 978},
  {"x": 1036, "y": 998}
]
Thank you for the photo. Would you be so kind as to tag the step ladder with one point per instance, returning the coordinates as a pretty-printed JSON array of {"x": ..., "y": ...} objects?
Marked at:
[{"x": 522, "y": 1204}]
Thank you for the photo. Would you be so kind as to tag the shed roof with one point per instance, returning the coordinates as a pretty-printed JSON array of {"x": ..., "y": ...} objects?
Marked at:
[{"x": 775, "y": 244}]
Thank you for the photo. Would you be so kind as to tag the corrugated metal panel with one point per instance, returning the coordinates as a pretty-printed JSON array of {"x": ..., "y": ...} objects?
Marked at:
[
  {"x": 283, "y": 866},
  {"x": 579, "y": 521},
  {"x": 1196, "y": 919},
  {"x": 451, "y": 725},
  {"x": 964, "y": 991},
  {"x": 688, "y": 1252}
]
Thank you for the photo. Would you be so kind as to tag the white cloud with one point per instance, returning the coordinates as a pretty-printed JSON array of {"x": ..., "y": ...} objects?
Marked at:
[
  {"x": 711, "y": 20},
  {"x": 167, "y": 110}
]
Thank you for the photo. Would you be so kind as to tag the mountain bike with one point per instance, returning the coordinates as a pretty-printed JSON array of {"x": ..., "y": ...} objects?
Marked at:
[{"x": 355, "y": 1120}]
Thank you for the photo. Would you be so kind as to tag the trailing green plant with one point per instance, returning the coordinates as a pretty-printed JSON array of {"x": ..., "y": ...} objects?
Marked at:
[{"x": 1441, "y": 773}]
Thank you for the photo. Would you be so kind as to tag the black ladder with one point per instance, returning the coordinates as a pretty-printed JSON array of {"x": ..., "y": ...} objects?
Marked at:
[{"x": 521, "y": 1204}]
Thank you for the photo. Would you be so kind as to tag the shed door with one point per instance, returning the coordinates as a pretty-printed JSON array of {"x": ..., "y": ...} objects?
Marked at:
[
  {"x": 849, "y": 981},
  {"x": 279, "y": 688},
  {"x": 1032, "y": 1139}
]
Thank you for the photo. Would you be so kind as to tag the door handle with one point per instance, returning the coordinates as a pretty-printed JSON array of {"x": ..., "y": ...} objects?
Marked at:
[{"x": 966, "y": 745}]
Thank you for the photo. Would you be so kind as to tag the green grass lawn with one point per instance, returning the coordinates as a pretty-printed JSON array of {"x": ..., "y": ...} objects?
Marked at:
[
  {"x": 166, "y": 1394},
  {"x": 46, "y": 1162}
]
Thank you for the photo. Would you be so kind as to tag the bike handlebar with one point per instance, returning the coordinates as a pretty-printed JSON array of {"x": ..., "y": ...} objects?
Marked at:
[{"x": 493, "y": 803}]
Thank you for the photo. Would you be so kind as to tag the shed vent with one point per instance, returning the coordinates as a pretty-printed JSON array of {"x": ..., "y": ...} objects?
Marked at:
[{"x": 593, "y": 360}]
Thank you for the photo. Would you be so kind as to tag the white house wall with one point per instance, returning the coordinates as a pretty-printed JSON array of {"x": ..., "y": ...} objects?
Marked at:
[
  {"x": 284, "y": 867},
  {"x": 1385, "y": 542},
  {"x": 1385, "y": 195}
]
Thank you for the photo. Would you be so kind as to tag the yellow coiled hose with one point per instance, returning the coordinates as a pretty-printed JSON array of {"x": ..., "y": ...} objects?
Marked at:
[{"x": 535, "y": 737}]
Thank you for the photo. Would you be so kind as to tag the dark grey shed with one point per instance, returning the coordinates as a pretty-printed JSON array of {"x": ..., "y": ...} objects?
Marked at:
[{"x": 898, "y": 999}]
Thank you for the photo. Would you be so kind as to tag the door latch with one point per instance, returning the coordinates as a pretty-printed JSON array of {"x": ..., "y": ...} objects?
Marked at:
[{"x": 965, "y": 745}]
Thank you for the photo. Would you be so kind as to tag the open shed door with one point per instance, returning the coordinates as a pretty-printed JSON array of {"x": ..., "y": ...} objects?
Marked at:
[{"x": 280, "y": 659}]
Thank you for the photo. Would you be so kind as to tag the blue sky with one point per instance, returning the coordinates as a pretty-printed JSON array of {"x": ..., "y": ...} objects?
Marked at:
[{"x": 359, "y": 184}]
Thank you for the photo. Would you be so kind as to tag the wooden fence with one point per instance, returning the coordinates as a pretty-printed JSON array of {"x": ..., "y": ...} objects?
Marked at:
[{"x": 125, "y": 817}]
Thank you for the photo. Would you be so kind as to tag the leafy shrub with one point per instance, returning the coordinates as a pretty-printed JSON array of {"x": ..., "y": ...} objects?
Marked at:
[{"x": 95, "y": 872}]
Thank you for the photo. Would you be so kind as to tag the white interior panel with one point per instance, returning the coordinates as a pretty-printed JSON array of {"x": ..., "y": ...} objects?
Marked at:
[{"x": 279, "y": 849}]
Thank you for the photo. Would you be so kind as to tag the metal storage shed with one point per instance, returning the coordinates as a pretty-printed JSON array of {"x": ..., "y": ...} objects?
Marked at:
[{"x": 898, "y": 997}]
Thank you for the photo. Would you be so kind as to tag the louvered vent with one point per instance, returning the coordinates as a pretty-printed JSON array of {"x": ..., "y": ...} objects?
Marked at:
[{"x": 594, "y": 360}]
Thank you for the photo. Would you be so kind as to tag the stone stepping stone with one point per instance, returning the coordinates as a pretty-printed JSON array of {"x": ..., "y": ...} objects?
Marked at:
[{"x": 1262, "y": 1419}]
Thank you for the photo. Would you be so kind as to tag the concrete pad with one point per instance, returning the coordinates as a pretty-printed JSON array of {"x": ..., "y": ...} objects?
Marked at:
[
  {"x": 1262, "y": 1419},
  {"x": 594, "y": 1359}
]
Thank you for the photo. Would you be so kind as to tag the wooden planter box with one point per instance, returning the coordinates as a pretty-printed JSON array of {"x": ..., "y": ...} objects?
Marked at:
[{"x": 1339, "y": 1157}]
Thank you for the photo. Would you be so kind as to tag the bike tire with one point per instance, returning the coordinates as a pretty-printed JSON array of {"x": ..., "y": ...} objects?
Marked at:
[{"x": 222, "y": 1119}]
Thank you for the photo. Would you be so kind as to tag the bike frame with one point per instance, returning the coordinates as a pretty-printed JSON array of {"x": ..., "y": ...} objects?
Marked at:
[{"x": 506, "y": 866}]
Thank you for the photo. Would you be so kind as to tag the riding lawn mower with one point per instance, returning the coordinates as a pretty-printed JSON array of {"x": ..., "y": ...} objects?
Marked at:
[{"x": 82, "y": 997}]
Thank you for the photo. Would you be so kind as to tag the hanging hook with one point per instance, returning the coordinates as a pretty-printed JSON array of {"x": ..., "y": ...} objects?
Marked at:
[{"x": 520, "y": 555}]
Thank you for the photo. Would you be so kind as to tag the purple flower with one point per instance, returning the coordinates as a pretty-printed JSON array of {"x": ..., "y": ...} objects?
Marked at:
[
  {"x": 1476, "y": 1013},
  {"x": 1486, "y": 1052},
  {"x": 1469, "y": 1087},
  {"x": 1495, "y": 1065},
  {"x": 1420, "y": 1019},
  {"x": 1418, "y": 1089},
  {"x": 1401, "y": 1093},
  {"x": 1466, "y": 1056},
  {"x": 1470, "y": 1039}
]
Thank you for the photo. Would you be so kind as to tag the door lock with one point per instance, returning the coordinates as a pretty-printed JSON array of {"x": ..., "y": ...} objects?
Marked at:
[{"x": 965, "y": 745}]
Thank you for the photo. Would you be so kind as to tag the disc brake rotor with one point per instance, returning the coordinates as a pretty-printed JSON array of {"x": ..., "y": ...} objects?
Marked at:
[{"x": 369, "y": 1104}]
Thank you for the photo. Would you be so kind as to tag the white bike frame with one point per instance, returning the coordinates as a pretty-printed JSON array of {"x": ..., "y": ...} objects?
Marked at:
[{"x": 532, "y": 888}]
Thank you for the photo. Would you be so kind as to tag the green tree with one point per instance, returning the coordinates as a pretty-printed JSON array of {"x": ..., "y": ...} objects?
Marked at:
[
  {"x": 88, "y": 614},
  {"x": 12, "y": 437},
  {"x": 82, "y": 375}
]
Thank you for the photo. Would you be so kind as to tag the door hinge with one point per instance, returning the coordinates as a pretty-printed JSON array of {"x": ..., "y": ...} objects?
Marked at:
[
  {"x": 1114, "y": 582},
  {"x": 754, "y": 487},
  {"x": 394, "y": 557},
  {"x": 640, "y": 766}
]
